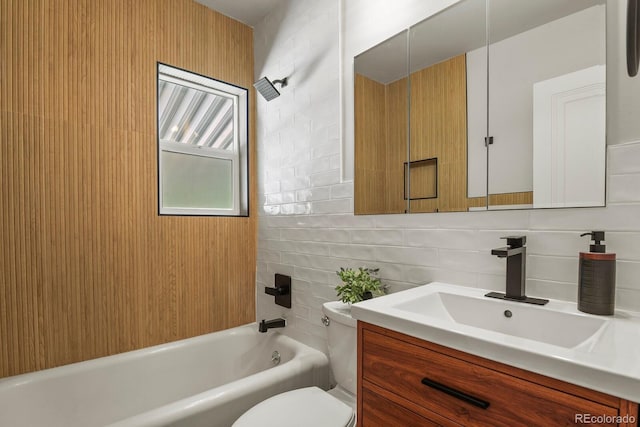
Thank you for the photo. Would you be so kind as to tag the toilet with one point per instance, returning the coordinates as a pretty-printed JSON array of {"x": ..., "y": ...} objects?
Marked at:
[{"x": 312, "y": 406}]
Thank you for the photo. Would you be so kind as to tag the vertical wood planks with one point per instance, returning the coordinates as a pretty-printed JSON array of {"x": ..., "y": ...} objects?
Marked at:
[
  {"x": 87, "y": 267},
  {"x": 370, "y": 146}
]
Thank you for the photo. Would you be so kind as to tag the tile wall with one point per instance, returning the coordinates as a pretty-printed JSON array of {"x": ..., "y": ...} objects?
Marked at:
[{"x": 306, "y": 226}]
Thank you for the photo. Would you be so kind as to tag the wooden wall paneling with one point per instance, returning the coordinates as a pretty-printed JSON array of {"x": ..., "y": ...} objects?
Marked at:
[
  {"x": 240, "y": 305},
  {"x": 439, "y": 129},
  {"x": 29, "y": 136},
  {"x": 426, "y": 124},
  {"x": 396, "y": 99},
  {"x": 477, "y": 202},
  {"x": 370, "y": 146},
  {"x": 502, "y": 199},
  {"x": 454, "y": 151},
  {"x": 5, "y": 306},
  {"x": 52, "y": 47},
  {"x": 424, "y": 176},
  {"x": 457, "y": 148},
  {"x": 427, "y": 103},
  {"x": 9, "y": 273},
  {"x": 88, "y": 268},
  {"x": 425, "y": 205},
  {"x": 6, "y": 82},
  {"x": 520, "y": 198}
]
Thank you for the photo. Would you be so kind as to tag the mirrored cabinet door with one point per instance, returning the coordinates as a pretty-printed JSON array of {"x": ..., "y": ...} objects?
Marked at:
[
  {"x": 381, "y": 122},
  {"x": 547, "y": 96},
  {"x": 448, "y": 110},
  {"x": 414, "y": 135},
  {"x": 488, "y": 104}
]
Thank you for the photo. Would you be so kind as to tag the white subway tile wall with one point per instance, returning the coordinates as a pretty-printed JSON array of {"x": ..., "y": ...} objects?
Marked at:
[{"x": 306, "y": 226}]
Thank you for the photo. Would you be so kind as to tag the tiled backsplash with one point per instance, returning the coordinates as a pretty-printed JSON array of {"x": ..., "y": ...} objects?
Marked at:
[{"x": 307, "y": 229}]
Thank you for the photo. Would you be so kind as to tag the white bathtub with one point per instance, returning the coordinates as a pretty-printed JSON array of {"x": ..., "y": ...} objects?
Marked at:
[{"x": 208, "y": 380}]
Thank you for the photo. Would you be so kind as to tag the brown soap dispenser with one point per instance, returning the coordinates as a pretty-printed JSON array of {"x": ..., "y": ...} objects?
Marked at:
[{"x": 597, "y": 278}]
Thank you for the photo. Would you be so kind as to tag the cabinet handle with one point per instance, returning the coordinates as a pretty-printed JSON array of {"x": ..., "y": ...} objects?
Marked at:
[{"x": 455, "y": 393}]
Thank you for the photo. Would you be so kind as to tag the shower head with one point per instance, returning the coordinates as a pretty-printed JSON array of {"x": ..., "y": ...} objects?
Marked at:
[{"x": 267, "y": 89}]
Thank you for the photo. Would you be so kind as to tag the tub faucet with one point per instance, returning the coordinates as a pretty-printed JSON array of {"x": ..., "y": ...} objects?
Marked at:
[
  {"x": 516, "y": 254},
  {"x": 265, "y": 325}
]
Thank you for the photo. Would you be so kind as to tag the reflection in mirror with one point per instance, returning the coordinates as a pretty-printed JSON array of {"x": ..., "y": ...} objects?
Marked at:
[
  {"x": 440, "y": 81},
  {"x": 537, "y": 95},
  {"x": 547, "y": 62},
  {"x": 424, "y": 170},
  {"x": 381, "y": 121}
]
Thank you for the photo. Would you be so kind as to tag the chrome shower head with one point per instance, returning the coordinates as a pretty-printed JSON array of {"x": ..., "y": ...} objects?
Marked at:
[{"x": 267, "y": 89}]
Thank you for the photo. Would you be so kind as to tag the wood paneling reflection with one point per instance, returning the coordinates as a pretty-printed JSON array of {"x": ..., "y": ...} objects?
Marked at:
[
  {"x": 380, "y": 145},
  {"x": 423, "y": 176},
  {"x": 504, "y": 199},
  {"x": 397, "y": 119},
  {"x": 87, "y": 267},
  {"x": 520, "y": 198},
  {"x": 438, "y": 122},
  {"x": 439, "y": 130},
  {"x": 370, "y": 147}
]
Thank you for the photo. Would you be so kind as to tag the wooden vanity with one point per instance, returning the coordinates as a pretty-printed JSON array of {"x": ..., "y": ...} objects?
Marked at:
[{"x": 405, "y": 381}]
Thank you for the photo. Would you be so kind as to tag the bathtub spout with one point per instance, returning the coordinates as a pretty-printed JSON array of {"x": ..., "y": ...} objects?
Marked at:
[{"x": 265, "y": 325}]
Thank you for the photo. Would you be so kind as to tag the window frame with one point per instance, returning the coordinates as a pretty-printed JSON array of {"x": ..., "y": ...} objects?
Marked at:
[{"x": 238, "y": 155}]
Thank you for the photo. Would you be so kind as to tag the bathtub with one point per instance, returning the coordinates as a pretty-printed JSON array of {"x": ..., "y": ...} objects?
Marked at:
[{"x": 208, "y": 380}]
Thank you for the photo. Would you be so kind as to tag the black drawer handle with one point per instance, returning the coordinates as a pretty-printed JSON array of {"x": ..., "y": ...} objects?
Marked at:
[{"x": 455, "y": 393}]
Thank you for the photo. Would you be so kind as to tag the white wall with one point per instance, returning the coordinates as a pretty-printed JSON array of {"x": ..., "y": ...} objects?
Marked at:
[
  {"x": 306, "y": 225},
  {"x": 515, "y": 64}
]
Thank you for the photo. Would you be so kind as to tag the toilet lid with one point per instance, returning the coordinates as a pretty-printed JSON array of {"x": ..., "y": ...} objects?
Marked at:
[{"x": 309, "y": 407}]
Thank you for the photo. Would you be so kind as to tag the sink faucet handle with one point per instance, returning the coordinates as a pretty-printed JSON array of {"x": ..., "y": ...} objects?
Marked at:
[{"x": 515, "y": 241}]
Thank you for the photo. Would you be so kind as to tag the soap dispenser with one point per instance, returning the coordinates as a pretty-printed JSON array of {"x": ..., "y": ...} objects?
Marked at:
[{"x": 597, "y": 278}]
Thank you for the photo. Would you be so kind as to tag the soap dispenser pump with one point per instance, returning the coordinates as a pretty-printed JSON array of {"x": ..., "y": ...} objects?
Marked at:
[{"x": 597, "y": 277}]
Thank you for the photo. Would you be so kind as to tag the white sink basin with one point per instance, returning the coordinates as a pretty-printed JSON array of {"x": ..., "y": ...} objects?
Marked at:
[
  {"x": 511, "y": 318},
  {"x": 557, "y": 340}
]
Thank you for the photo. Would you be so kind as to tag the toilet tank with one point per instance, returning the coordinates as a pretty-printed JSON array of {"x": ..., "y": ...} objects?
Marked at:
[{"x": 342, "y": 340}]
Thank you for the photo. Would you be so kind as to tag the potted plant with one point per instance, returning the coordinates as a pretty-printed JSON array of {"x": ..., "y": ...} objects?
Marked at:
[{"x": 358, "y": 284}]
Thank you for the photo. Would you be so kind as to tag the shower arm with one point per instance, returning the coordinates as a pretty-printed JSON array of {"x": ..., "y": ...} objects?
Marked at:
[{"x": 282, "y": 82}]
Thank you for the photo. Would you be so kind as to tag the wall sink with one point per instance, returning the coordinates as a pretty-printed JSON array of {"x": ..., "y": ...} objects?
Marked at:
[
  {"x": 542, "y": 324},
  {"x": 557, "y": 340}
]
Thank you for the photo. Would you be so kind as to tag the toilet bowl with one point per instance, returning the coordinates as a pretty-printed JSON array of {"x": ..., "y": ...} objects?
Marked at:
[
  {"x": 312, "y": 406},
  {"x": 308, "y": 407}
]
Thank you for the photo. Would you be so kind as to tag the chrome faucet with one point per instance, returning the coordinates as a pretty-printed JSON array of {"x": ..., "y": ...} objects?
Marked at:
[
  {"x": 265, "y": 325},
  {"x": 516, "y": 254}
]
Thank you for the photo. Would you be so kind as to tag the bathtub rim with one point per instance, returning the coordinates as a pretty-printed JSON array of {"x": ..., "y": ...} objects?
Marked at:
[
  {"x": 304, "y": 359},
  {"x": 103, "y": 361}
]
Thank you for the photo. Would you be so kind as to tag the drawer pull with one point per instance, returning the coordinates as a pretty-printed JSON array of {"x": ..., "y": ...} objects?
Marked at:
[{"x": 455, "y": 393}]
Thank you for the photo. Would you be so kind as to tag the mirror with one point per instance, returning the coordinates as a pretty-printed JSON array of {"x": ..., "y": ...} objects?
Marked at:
[
  {"x": 547, "y": 96},
  {"x": 503, "y": 108},
  {"x": 381, "y": 120},
  {"x": 442, "y": 86}
]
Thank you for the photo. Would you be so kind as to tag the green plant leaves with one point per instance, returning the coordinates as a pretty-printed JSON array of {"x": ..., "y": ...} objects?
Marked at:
[{"x": 358, "y": 282}]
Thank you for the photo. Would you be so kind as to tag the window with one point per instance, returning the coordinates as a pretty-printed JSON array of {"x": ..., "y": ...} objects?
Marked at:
[{"x": 202, "y": 145}]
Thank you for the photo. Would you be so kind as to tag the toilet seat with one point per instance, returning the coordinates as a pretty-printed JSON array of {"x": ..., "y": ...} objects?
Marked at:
[{"x": 309, "y": 407}]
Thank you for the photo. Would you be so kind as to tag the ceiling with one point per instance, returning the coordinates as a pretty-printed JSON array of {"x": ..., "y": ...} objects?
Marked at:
[
  {"x": 438, "y": 37},
  {"x": 249, "y": 12}
]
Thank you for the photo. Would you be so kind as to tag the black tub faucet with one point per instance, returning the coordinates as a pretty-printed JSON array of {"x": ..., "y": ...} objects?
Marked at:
[
  {"x": 265, "y": 325},
  {"x": 516, "y": 254}
]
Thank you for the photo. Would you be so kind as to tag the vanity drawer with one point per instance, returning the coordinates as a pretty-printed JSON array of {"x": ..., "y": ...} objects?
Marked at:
[
  {"x": 381, "y": 412},
  {"x": 470, "y": 394}
]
